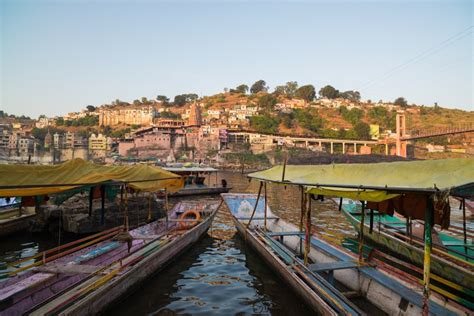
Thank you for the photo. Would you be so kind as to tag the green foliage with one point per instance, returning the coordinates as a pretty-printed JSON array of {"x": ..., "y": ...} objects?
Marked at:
[
  {"x": 267, "y": 102},
  {"x": 287, "y": 119},
  {"x": 136, "y": 102},
  {"x": 40, "y": 133},
  {"x": 350, "y": 95},
  {"x": 289, "y": 89},
  {"x": 182, "y": 99},
  {"x": 264, "y": 124},
  {"x": 307, "y": 93},
  {"x": 401, "y": 102},
  {"x": 162, "y": 98},
  {"x": 352, "y": 116},
  {"x": 136, "y": 126},
  {"x": 362, "y": 130},
  {"x": 90, "y": 108},
  {"x": 246, "y": 158},
  {"x": 309, "y": 119},
  {"x": 170, "y": 115},
  {"x": 88, "y": 120},
  {"x": 243, "y": 88},
  {"x": 259, "y": 86},
  {"x": 329, "y": 92},
  {"x": 120, "y": 133}
]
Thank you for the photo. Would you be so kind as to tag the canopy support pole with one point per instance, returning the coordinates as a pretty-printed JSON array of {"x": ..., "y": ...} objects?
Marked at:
[
  {"x": 307, "y": 247},
  {"x": 427, "y": 255},
  {"x": 463, "y": 202},
  {"x": 302, "y": 216},
  {"x": 102, "y": 204},
  {"x": 91, "y": 192},
  {"x": 127, "y": 227},
  {"x": 149, "y": 207},
  {"x": 340, "y": 204},
  {"x": 371, "y": 228},
  {"x": 361, "y": 233},
  {"x": 284, "y": 170},
  {"x": 265, "y": 213},
  {"x": 256, "y": 203},
  {"x": 166, "y": 208}
]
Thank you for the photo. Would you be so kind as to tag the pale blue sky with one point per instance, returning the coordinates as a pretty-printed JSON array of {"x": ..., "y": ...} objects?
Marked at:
[{"x": 59, "y": 56}]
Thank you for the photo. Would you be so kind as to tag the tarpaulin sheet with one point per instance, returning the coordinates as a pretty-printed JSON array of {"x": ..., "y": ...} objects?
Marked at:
[
  {"x": 378, "y": 181},
  {"x": 30, "y": 180}
]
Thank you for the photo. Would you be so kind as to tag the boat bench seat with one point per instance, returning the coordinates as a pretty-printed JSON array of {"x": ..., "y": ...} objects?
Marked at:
[
  {"x": 256, "y": 218},
  {"x": 331, "y": 266},
  {"x": 70, "y": 269},
  {"x": 32, "y": 281},
  {"x": 272, "y": 234}
]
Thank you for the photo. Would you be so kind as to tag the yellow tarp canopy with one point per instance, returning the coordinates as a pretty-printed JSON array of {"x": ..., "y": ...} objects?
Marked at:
[
  {"x": 29, "y": 180},
  {"x": 376, "y": 181}
]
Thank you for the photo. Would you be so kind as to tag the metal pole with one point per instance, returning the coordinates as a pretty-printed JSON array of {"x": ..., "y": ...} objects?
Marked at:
[
  {"x": 340, "y": 204},
  {"x": 302, "y": 216},
  {"x": 361, "y": 233},
  {"x": 464, "y": 223},
  {"x": 126, "y": 209},
  {"x": 427, "y": 256},
  {"x": 166, "y": 208},
  {"x": 284, "y": 170},
  {"x": 256, "y": 204},
  {"x": 307, "y": 248},
  {"x": 265, "y": 213}
]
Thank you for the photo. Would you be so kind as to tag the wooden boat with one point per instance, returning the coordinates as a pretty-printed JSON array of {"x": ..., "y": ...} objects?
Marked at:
[
  {"x": 451, "y": 259},
  {"x": 83, "y": 279},
  {"x": 280, "y": 244},
  {"x": 195, "y": 177}
]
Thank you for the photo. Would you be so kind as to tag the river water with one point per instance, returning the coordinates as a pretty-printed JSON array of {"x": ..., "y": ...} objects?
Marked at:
[{"x": 220, "y": 275}]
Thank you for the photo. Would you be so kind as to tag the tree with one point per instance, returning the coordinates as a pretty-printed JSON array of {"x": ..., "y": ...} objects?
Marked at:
[
  {"x": 290, "y": 88},
  {"x": 243, "y": 88},
  {"x": 267, "y": 102},
  {"x": 280, "y": 90},
  {"x": 353, "y": 116},
  {"x": 162, "y": 98},
  {"x": 144, "y": 100},
  {"x": 180, "y": 100},
  {"x": 362, "y": 130},
  {"x": 307, "y": 93},
  {"x": 329, "y": 92},
  {"x": 401, "y": 102},
  {"x": 259, "y": 86},
  {"x": 309, "y": 120},
  {"x": 136, "y": 102},
  {"x": 90, "y": 108},
  {"x": 264, "y": 124},
  {"x": 350, "y": 95}
]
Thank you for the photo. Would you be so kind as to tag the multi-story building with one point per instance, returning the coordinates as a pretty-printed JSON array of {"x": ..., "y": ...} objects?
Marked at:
[
  {"x": 26, "y": 145},
  {"x": 5, "y": 134},
  {"x": 43, "y": 122},
  {"x": 155, "y": 140},
  {"x": 99, "y": 142},
  {"x": 127, "y": 115}
]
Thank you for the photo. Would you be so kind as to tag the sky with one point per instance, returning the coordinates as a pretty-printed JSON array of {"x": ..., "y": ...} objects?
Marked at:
[{"x": 60, "y": 56}]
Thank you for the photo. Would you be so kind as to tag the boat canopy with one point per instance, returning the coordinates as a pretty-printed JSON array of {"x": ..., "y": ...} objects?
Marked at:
[
  {"x": 376, "y": 182},
  {"x": 190, "y": 169},
  {"x": 30, "y": 180}
]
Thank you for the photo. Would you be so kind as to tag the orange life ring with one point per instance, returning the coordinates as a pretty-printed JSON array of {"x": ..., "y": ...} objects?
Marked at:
[{"x": 191, "y": 214}]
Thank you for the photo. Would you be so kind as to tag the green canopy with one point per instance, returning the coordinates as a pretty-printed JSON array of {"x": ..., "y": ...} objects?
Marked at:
[
  {"x": 377, "y": 182},
  {"x": 30, "y": 180}
]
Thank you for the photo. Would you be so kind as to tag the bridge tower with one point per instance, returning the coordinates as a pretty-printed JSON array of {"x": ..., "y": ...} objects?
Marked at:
[{"x": 401, "y": 132}]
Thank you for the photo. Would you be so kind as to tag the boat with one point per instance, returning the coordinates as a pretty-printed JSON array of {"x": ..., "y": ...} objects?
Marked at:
[
  {"x": 14, "y": 218},
  {"x": 195, "y": 177},
  {"x": 328, "y": 268},
  {"x": 452, "y": 259},
  {"x": 83, "y": 278}
]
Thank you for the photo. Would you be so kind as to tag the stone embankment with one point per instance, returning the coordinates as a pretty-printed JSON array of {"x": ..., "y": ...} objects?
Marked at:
[{"x": 72, "y": 216}]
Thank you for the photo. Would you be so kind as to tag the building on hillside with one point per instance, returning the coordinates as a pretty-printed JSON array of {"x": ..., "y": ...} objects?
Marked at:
[
  {"x": 128, "y": 115},
  {"x": 58, "y": 141},
  {"x": 99, "y": 142},
  {"x": 146, "y": 142},
  {"x": 43, "y": 122},
  {"x": 26, "y": 145},
  {"x": 72, "y": 140},
  {"x": 5, "y": 134}
]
